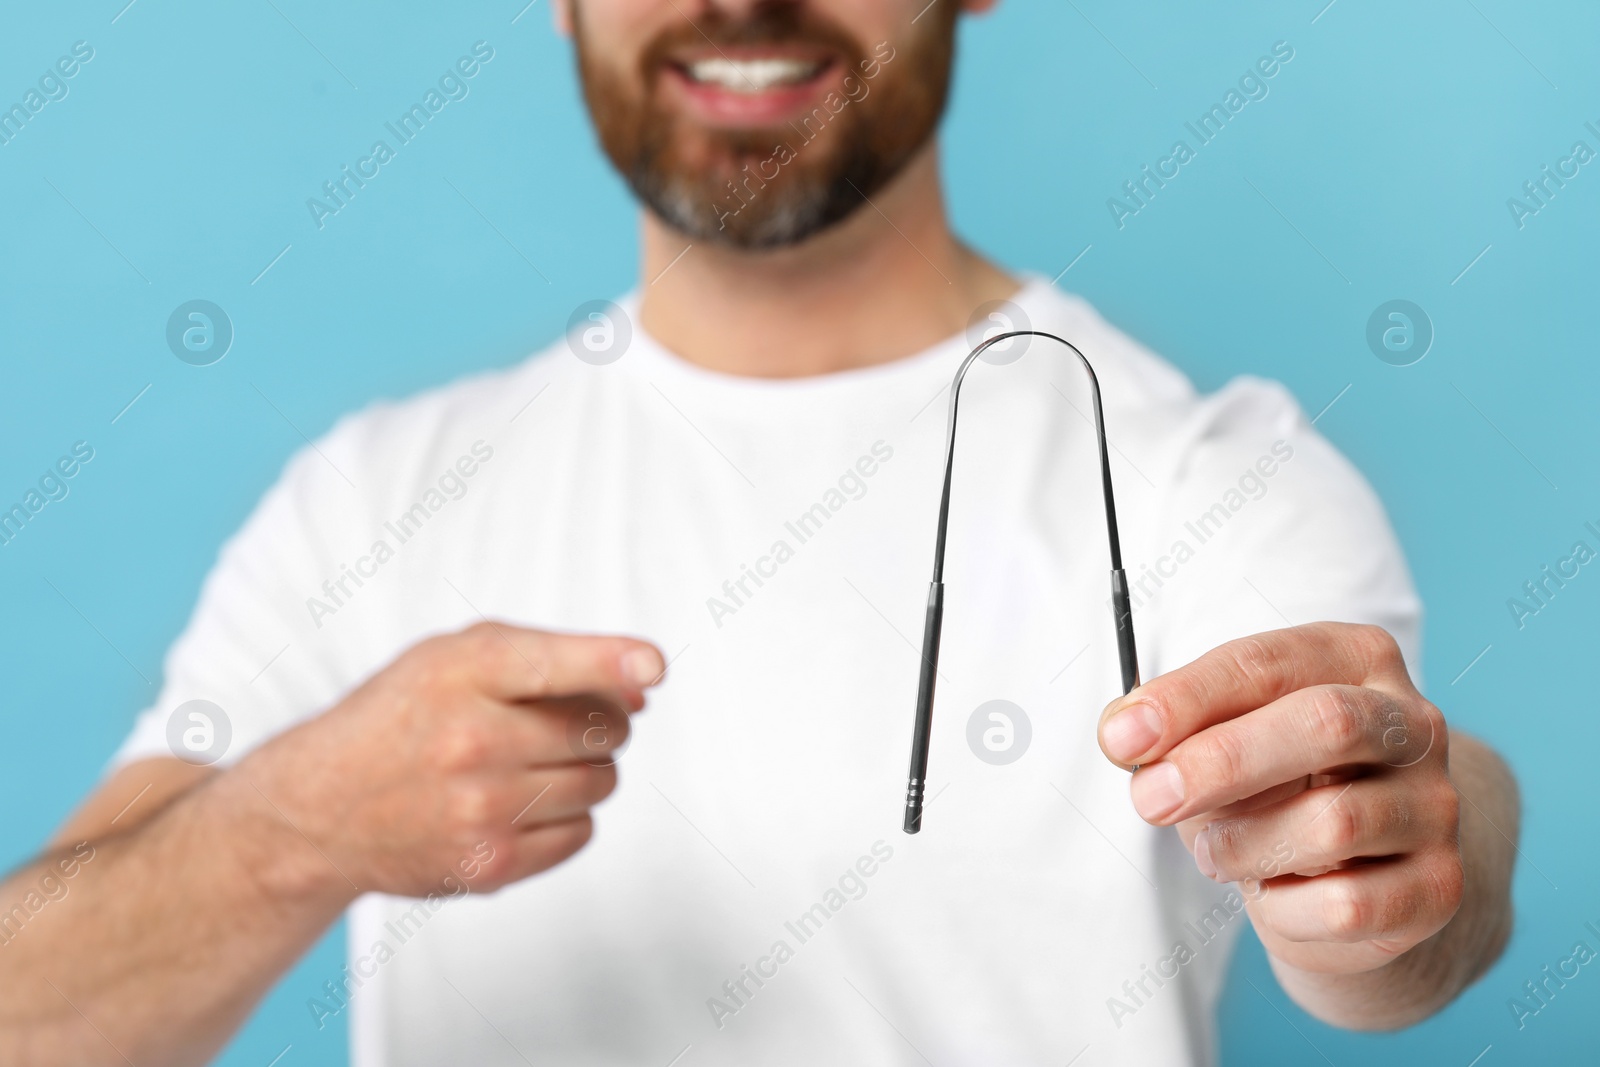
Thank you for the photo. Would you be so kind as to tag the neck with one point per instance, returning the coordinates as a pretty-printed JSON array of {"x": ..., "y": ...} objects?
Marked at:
[{"x": 887, "y": 282}]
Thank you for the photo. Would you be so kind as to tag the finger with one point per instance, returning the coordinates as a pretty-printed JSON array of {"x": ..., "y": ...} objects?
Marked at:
[
  {"x": 1239, "y": 677},
  {"x": 494, "y": 804},
  {"x": 514, "y": 663},
  {"x": 581, "y": 729},
  {"x": 548, "y": 844},
  {"x": 1318, "y": 829},
  {"x": 1190, "y": 828},
  {"x": 557, "y": 794},
  {"x": 587, "y": 729},
  {"x": 491, "y": 735},
  {"x": 1310, "y": 731},
  {"x": 1403, "y": 901}
]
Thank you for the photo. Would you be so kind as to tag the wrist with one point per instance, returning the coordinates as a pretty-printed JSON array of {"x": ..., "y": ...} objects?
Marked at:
[{"x": 270, "y": 835}]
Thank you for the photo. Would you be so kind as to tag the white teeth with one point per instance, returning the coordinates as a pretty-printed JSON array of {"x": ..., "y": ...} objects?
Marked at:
[{"x": 752, "y": 75}]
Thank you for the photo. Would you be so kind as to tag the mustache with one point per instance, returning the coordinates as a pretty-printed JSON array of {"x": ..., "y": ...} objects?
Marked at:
[{"x": 784, "y": 23}]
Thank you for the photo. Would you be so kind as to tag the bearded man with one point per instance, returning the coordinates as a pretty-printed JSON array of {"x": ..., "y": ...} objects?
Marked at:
[{"x": 410, "y": 676}]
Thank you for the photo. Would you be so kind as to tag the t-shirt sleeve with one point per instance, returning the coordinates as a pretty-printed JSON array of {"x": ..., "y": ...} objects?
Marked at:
[
  {"x": 1266, "y": 526},
  {"x": 249, "y": 648}
]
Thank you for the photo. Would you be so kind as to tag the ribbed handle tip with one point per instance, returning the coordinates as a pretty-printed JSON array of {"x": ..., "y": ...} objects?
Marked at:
[{"x": 913, "y": 807}]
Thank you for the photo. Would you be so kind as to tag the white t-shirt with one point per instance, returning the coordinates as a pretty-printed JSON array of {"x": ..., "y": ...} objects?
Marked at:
[{"x": 748, "y": 896}]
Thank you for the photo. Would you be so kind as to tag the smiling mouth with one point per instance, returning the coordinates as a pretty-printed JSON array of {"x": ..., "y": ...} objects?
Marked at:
[{"x": 754, "y": 75}]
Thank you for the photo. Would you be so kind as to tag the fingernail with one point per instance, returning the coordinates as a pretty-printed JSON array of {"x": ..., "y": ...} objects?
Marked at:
[
  {"x": 1131, "y": 732},
  {"x": 1157, "y": 791},
  {"x": 642, "y": 666},
  {"x": 1202, "y": 854}
]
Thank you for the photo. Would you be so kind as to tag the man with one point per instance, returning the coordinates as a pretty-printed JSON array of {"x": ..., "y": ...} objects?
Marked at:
[{"x": 414, "y": 676}]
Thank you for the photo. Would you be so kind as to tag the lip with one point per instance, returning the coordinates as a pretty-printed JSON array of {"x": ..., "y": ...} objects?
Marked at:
[{"x": 714, "y": 106}]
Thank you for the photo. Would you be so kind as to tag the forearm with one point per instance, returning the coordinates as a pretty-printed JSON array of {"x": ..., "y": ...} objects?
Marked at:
[
  {"x": 162, "y": 942},
  {"x": 1421, "y": 981}
]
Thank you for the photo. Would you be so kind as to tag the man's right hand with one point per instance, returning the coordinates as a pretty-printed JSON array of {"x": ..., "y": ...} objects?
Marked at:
[
  {"x": 474, "y": 756},
  {"x": 475, "y": 753}
]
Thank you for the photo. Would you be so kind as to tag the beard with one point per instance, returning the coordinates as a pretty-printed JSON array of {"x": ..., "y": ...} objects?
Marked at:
[{"x": 769, "y": 188}]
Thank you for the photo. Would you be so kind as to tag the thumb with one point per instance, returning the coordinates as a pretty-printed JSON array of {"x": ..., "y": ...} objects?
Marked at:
[{"x": 1127, "y": 725}]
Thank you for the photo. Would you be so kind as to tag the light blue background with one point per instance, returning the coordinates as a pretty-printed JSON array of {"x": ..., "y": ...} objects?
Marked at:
[{"x": 1380, "y": 162}]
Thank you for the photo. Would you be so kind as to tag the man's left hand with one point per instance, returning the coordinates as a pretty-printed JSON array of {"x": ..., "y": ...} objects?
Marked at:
[{"x": 1303, "y": 764}]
